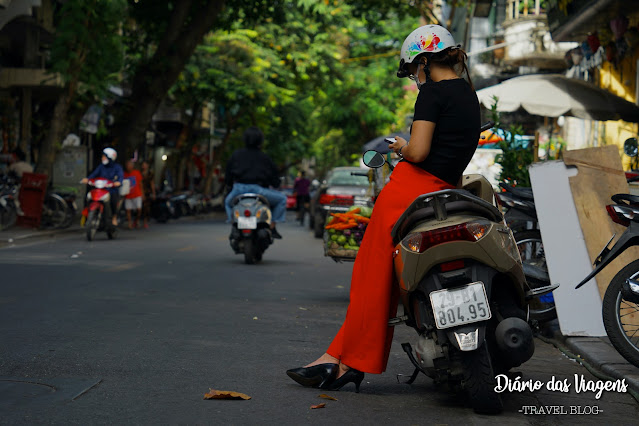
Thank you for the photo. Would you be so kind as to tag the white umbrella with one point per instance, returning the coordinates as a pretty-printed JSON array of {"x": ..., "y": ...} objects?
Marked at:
[{"x": 553, "y": 95}]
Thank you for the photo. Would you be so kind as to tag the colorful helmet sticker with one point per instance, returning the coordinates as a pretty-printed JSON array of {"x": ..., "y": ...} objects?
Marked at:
[{"x": 425, "y": 44}]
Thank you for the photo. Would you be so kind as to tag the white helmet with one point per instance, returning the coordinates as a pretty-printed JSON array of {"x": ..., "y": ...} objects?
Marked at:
[
  {"x": 110, "y": 153},
  {"x": 426, "y": 39}
]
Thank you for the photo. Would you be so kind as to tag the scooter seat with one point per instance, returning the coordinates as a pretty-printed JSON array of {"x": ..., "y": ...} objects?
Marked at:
[
  {"x": 250, "y": 195},
  {"x": 405, "y": 225},
  {"x": 521, "y": 192},
  {"x": 626, "y": 199}
]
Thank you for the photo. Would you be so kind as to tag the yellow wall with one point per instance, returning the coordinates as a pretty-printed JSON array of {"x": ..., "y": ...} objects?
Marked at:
[{"x": 621, "y": 81}]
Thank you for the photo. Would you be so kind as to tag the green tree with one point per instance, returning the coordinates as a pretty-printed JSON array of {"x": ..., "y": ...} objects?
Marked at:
[
  {"x": 237, "y": 75},
  {"x": 363, "y": 102},
  {"x": 171, "y": 31},
  {"x": 87, "y": 54},
  {"x": 514, "y": 158}
]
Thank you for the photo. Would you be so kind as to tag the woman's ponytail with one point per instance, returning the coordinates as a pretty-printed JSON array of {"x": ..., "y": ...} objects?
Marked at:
[{"x": 454, "y": 58}]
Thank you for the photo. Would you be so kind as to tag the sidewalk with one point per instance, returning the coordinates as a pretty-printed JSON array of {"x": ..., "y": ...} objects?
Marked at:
[
  {"x": 17, "y": 234},
  {"x": 596, "y": 353}
]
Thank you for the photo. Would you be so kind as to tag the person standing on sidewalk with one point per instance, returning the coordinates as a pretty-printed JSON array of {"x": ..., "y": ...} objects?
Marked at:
[
  {"x": 443, "y": 140},
  {"x": 301, "y": 190},
  {"x": 20, "y": 166},
  {"x": 251, "y": 170},
  {"x": 148, "y": 191},
  {"x": 133, "y": 200}
]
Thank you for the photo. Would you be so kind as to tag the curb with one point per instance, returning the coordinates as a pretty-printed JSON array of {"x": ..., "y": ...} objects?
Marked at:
[
  {"x": 6, "y": 241},
  {"x": 596, "y": 353},
  {"x": 35, "y": 234}
]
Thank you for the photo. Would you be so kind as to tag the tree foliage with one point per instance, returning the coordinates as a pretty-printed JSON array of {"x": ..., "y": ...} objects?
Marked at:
[
  {"x": 87, "y": 54},
  {"x": 320, "y": 82}
]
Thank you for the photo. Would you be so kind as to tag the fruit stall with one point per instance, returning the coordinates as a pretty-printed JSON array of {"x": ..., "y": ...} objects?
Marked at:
[{"x": 343, "y": 233}]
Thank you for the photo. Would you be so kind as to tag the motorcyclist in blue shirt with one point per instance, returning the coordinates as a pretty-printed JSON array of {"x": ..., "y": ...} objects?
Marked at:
[{"x": 112, "y": 171}]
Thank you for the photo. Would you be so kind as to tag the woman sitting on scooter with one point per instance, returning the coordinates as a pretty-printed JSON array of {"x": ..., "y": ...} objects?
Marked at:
[
  {"x": 112, "y": 171},
  {"x": 443, "y": 139}
]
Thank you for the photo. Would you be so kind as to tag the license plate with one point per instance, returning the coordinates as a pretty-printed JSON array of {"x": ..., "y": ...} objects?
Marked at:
[
  {"x": 247, "y": 222},
  {"x": 461, "y": 305}
]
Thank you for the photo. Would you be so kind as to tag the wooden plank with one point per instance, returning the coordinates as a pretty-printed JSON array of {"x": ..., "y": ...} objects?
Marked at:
[{"x": 600, "y": 176}]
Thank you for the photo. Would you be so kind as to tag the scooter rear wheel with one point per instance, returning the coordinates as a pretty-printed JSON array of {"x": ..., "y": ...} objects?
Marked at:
[
  {"x": 479, "y": 381},
  {"x": 620, "y": 316},
  {"x": 250, "y": 252}
]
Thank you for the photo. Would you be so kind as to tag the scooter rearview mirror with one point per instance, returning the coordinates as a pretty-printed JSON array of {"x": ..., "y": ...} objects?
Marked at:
[
  {"x": 374, "y": 159},
  {"x": 631, "y": 147}
]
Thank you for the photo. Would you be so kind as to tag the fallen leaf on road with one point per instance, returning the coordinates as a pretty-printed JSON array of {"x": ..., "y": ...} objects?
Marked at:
[
  {"x": 322, "y": 405},
  {"x": 255, "y": 318},
  {"x": 216, "y": 394},
  {"x": 327, "y": 397},
  {"x": 303, "y": 309}
]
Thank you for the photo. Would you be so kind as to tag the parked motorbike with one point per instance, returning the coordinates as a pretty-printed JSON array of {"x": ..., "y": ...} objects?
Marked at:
[
  {"x": 93, "y": 216},
  {"x": 251, "y": 230},
  {"x": 463, "y": 289},
  {"x": 521, "y": 217},
  {"x": 162, "y": 208},
  {"x": 8, "y": 202},
  {"x": 620, "y": 305}
]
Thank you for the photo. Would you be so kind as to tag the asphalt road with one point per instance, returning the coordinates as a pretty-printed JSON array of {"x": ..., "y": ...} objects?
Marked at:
[{"x": 138, "y": 329}]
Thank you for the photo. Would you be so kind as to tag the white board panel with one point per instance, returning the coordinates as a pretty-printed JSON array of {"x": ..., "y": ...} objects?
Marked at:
[{"x": 579, "y": 311}]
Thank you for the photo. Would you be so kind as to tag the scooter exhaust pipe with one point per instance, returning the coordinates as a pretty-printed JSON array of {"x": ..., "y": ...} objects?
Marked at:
[{"x": 515, "y": 340}]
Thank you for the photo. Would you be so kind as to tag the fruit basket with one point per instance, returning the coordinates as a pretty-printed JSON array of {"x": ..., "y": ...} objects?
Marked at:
[{"x": 343, "y": 233}]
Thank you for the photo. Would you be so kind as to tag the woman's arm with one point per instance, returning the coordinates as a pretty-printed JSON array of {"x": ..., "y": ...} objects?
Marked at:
[{"x": 421, "y": 138}]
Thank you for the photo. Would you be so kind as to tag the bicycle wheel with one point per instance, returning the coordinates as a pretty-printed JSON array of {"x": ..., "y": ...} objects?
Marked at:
[
  {"x": 621, "y": 316},
  {"x": 531, "y": 250},
  {"x": 8, "y": 215},
  {"x": 54, "y": 211}
]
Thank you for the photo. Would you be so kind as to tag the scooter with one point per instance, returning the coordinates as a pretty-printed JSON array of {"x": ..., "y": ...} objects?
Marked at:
[
  {"x": 251, "y": 231},
  {"x": 521, "y": 217},
  {"x": 463, "y": 289},
  {"x": 621, "y": 300},
  {"x": 93, "y": 216},
  {"x": 8, "y": 202}
]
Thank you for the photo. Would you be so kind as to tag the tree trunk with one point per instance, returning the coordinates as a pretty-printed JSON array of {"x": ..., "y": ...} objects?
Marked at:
[
  {"x": 46, "y": 155},
  {"x": 153, "y": 80}
]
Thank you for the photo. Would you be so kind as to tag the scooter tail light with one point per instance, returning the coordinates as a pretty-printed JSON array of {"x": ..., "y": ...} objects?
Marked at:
[
  {"x": 478, "y": 229},
  {"x": 616, "y": 216},
  {"x": 419, "y": 242},
  {"x": 452, "y": 266},
  {"x": 247, "y": 213}
]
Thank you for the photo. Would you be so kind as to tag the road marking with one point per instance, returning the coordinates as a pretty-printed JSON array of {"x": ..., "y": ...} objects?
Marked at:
[{"x": 122, "y": 267}]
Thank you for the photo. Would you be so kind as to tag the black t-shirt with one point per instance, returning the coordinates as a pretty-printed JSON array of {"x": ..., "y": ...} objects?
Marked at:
[
  {"x": 453, "y": 106},
  {"x": 251, "y": 166}
]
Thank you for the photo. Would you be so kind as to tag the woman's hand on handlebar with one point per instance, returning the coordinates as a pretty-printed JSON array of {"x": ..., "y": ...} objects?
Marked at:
[
  {"x": 116, "y": 184},
  {"x": 84, "y": 180},
  {"x": 398, "y": 144}
]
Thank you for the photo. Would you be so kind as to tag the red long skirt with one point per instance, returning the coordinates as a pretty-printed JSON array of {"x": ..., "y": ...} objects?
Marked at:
[{"x": 364, "y": 340}]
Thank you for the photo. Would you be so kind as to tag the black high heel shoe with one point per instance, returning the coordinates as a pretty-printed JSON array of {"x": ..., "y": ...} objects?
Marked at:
[
  {"x": 351, "y": 375},
  {"x": 316, "y": 376}
]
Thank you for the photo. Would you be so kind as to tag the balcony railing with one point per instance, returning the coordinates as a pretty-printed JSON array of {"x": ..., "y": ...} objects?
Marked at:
[{"x": 518, "y": 9}]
